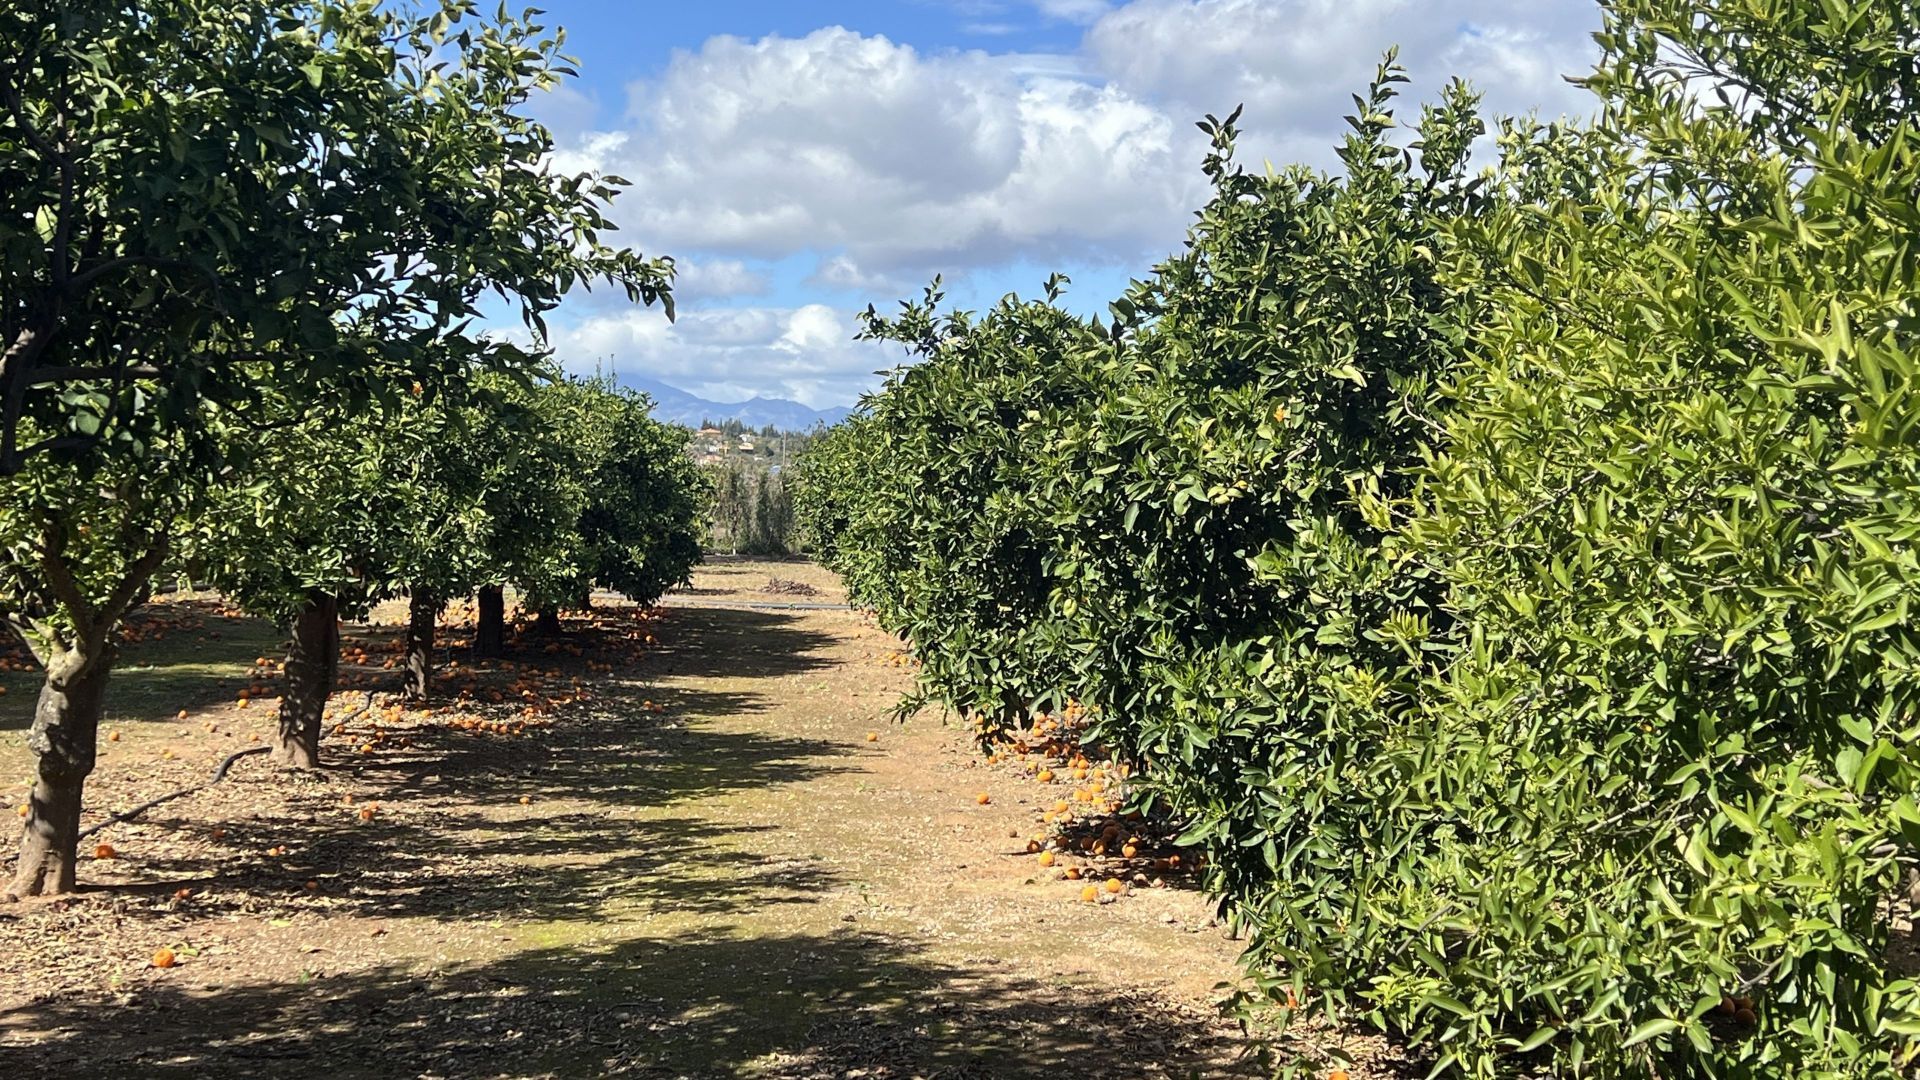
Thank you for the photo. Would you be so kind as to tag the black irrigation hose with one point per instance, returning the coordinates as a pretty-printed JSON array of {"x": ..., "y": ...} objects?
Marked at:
[{"x": 219, "y": 774}]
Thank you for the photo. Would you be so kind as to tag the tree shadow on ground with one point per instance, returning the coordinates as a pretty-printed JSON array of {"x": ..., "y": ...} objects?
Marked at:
[
  {"x": 609, "y": 775},
  {"x": 202, "y": 659},
  {"x": 711, "y": 1004},
  {"x": 708, "y": 642}
]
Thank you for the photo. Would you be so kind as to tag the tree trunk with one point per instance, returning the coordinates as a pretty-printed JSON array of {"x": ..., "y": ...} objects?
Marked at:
[
  {"x": 423, "y": 613},
  {"x": 313, "y": 660},
  {"x": 66, "y": 724},
  {"x": 548, "y": 621},
  {"x": 490, "y": 640}
]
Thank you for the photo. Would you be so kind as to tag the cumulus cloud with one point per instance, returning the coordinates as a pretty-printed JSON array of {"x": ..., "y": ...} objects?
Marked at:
[
  {"x": 1295, "y": 64},
  {"x": 698, "y": 279},
  {"x": 893, "y": 161},
  {"x": 861, "y": 167},
  {"x": 805, "y": 353}
]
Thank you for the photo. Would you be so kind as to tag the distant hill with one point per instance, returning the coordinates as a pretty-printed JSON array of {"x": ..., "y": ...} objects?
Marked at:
[{"x": 679, "y": 407}]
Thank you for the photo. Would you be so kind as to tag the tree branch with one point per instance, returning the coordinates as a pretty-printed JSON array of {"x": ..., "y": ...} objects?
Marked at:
[{"x": 60, "y": 579}]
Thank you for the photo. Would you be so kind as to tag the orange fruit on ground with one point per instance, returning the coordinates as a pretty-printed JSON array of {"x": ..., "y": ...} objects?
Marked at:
[
  {"x": 164, "y": 958},
  {"x": 873, "y": 736},
  {"x": 983, "y": 798},
  {"x": 182, "y": 715},
  {"x": 1073, "y": 873},
  {"x": 1089, "y": 894},
  {"x": 526, "y": 800},
  {"x": 1114, "y": 885},
  {"x": 1129, "y": 851},
  {"x": 113, "y": 736},
  {"x": 1046, "y": 776},
  {"x": 104, "y": 851},
  {"x": 366, "y": 813},
  {"x": 1046, "y": 858},
  {"x": 313, "y": 886},
  {"x": 183, "y": 894},
  {"x": 1337, "y": 1074}
]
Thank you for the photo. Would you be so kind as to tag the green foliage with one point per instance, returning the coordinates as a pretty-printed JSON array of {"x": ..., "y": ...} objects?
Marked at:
[
  {"x": 199, "y": 197},
  {"x": 1675, "y": 504},
  {"x": 555, "y": 487},
  {"x": 1508, "y": 581},
  {"x": 752, "y": 510},
  {"x": 642, "y": 499},
  {"x": 233, "y": 232}
]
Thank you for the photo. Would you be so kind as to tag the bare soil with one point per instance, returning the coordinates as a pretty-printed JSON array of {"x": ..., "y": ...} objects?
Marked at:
[{"x": 690, "y": 861}]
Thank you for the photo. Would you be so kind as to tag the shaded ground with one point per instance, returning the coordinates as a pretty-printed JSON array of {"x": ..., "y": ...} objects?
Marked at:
[{"x": 737, "y": 884}]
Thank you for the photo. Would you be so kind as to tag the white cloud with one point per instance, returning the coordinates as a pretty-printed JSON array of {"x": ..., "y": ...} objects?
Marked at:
[
  {"x": 859, "y": 165},
  {"x": 895, "y": 162},
  {"x": 805, "y": 353},
  {"x": 698, "y": 279},
  {"x": 1079, "y": 11},
  {"x": 1295, "y": 64}
]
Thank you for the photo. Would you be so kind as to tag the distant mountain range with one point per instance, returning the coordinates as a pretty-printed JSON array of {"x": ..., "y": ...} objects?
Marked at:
[{"x": 676, "y": 406}]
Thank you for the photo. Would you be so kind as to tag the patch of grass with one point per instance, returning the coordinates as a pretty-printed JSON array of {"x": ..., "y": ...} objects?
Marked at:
[{"x": 202, "y": 661}]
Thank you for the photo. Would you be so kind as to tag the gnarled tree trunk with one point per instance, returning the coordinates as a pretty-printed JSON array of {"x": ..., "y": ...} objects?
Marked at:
[
  {"x": 313, "y": 661},
  {"x": 423, "y": 613},
  {"x": 66, "y": 723},
  {"x": 490, "y": 639}
]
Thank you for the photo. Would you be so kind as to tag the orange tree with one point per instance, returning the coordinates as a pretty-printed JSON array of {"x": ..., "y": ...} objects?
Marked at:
[
  {"x": 642, "y": 500},
  {"x": 229, "y": 202},
  {"x": 920, "y": 502},
  {"x": 1674, "y": 768},
  {"x": 510, "y": 482},
  {"x": 338, "y": 512},
  {"x": 1507, "y": 580},
  {"x": 556, "y": 489}
]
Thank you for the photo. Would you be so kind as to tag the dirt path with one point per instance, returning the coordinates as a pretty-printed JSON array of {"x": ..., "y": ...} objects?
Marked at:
[{"x": 740, "y": 885}]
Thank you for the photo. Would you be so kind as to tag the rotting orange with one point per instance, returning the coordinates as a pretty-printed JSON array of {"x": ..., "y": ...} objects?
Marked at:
[{"x": 105, "y": 851}]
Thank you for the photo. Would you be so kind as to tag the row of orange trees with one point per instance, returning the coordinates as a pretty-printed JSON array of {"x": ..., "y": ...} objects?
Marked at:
[
  {"x": 243, "y": 249},
  {"x": 1507, "y": 576}
]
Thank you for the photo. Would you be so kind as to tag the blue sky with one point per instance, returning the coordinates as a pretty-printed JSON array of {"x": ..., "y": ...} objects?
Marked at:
[{"x": 801, "y": 160}]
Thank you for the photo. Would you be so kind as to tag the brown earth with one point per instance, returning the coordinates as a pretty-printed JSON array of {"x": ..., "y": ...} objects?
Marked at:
[{"x": 738, "y": 884}]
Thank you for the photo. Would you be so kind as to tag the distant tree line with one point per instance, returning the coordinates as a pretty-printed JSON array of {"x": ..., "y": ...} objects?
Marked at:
[{"x": 752, "y": 508}]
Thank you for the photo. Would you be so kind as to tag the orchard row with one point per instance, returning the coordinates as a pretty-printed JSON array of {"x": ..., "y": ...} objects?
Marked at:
[
  {"x": 245, "y": 246},
  {"x": 1506, "y": 575}
]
